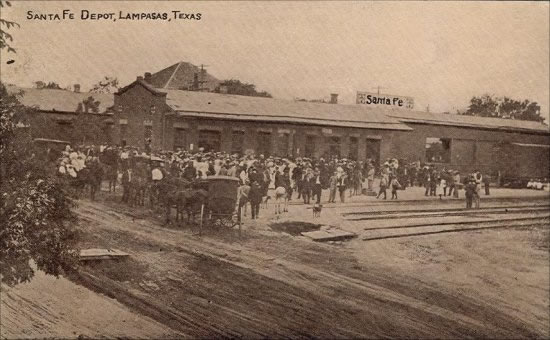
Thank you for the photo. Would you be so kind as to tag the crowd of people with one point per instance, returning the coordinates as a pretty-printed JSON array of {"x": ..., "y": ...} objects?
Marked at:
[
  {"x": 303, "y": 178},
  {"x": 538, "y": 184}
]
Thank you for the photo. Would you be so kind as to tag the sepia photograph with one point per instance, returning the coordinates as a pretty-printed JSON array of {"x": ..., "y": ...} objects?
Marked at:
[{"x": 274, "y": 169}]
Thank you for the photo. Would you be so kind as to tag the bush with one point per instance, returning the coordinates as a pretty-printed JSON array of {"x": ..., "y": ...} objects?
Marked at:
[{"x": 35, "y": 209}]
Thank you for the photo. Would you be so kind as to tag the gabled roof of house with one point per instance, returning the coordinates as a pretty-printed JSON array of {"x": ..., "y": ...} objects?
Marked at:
[
  {"x": 61, "y": 101},
  {"x": 234, "y": 107},
  {"x": 143, "y": 83},
  {"x": 420, "y": 117},
  {"x": 180, "y": 76}
]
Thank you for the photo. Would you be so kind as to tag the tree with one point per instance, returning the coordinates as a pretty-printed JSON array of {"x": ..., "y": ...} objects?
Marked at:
[
  {"x": 504, "y": 107},
  {"x": 234, "y": 86},
  {"x": 88, "y": 105},
  {"x": 87, "y": 126},
  {"x": 5, "y": 38},
  {"x": 321, "y": 100},
  {"x": 50, "y": 85},
  {"x": 35, "y": 209},
  {"x": 107, "y": 85}
]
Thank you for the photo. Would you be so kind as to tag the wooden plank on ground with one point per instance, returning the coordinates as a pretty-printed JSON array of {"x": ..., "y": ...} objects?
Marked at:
[
  {"x": 101, "y": 254},
  {"x": 328, "y": 235}
]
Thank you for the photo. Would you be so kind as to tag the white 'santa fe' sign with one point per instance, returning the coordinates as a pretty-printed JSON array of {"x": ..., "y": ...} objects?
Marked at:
[{"x": 369, "y": 98}]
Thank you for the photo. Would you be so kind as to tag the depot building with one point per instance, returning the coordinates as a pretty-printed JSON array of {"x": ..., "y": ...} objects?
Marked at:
[{"x": 159, "y": 111}]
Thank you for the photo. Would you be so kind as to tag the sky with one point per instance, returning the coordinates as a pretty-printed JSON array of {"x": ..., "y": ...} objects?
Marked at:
[{"x": 439, "y": 53}]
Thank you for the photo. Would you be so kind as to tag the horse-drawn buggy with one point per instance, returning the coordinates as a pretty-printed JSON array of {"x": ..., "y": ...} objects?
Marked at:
[
  {"x": 221, "y": 208},
  {"x": 213, "y": 200}
]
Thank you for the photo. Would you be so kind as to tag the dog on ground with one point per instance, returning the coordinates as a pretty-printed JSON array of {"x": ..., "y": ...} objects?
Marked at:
[{"x": 317, "y": 208}]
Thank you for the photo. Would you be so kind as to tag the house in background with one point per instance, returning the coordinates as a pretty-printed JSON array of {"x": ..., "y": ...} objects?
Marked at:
[
  {"x": 183, "y": 76},
  {"x": 58, "y": 113}
]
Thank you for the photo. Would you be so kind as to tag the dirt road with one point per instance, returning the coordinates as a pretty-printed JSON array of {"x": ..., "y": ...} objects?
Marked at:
[
  {"x": 471, "y": 284},
  {"x": 49, "y": 307}
]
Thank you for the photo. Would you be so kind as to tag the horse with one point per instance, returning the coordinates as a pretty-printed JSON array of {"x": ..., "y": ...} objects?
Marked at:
[
  {"x": 139, "y": 185},
  {"x": 138, "y": 188},
  {"x": 89, "y": 176},
  {"x": 191, "y": 201},
  {"x": 109, "y": 162},
  {"x": 111, "y": 174},
  {"x": 281, "y": 195},
  {"x": 170, "y": 194}
]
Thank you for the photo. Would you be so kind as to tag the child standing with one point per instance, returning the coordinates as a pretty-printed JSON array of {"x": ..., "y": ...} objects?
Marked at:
[
  {"x": 383, "y": 185},
  {"x": 470, "y": 190},
  {"x": 243, "y": 197},
  {"x": 255, "y": 197},
  {"x": 394, "y": 187},
  {"x": 333, "y": 183}
]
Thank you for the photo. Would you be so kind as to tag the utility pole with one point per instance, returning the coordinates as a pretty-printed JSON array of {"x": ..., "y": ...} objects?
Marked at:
[
  {"x": 203, "y": 73},
  {"x": 198, "y": 79},
  {"x": 378, "y": 89}
]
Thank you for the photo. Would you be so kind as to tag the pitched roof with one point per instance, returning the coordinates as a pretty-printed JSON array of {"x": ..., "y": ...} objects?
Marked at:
[
  {"x": 408, "y": 116},
  {"x": 180, "y": 76},
  {"x": 143, "y": 83},
  {"x": 61, "y": 101},
  {"x": 233, "y": 107}
]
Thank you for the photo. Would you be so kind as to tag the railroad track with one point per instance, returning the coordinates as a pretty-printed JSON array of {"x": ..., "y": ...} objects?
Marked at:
[
  {"x": 413, "y": 230},
  {"x": 378, "y": 215},
  {"x": 446, "y": 201},
  {"x": 380, "y": 212}
]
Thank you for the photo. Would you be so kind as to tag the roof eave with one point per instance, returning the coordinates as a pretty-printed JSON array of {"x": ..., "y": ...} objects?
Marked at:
[
  {"x": 277, "y": 119},
  {"x": 73, "y": 112},
  {"x": 148, "y": 87},
  {"x": 475, "y": 126}
]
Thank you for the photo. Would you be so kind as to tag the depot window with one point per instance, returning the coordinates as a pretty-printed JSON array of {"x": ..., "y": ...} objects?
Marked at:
[
  {"x": 210, "y": 140},
  {"x": 284, "y": 143},
  {"x": 180, "y": 139},
  {"x": 438, "y": 150},
  {"x": 310, "y": 146},
  {"x": 264, "y": 143},
  {"x": 353, "y": 148},
  {"x": 237, "y": 142},
  {"x": 333, "y": 147}
]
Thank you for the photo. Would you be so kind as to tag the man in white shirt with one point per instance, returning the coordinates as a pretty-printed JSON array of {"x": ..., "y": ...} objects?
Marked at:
[{"x": 156, "y": 174}]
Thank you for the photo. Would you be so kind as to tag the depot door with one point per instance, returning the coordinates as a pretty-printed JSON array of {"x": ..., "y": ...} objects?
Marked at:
[
  {"x": 264, "y": 143},
  {"x": 210, "y": 140},
  {"x": 373, "y": 150}
]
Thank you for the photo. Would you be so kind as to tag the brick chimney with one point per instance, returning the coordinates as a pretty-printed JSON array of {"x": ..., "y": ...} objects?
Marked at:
[
  {"x": 334, "y": 98},
  {"x": 77, "y": 88},
  {"x": 147, "y": 77}
]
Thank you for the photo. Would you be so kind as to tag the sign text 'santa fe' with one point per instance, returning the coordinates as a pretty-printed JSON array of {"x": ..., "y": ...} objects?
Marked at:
[{"x": 385, "y": 99}]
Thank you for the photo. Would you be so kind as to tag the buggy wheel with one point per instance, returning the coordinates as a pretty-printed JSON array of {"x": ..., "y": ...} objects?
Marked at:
[{"x": 224, "y": 220}]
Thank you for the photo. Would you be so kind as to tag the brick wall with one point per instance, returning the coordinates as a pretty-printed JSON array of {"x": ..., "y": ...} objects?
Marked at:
[
  {"x": 470, "y": 148},
  {"x": 294, "y": 133},
  {"x": 136, "y": 109}
]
